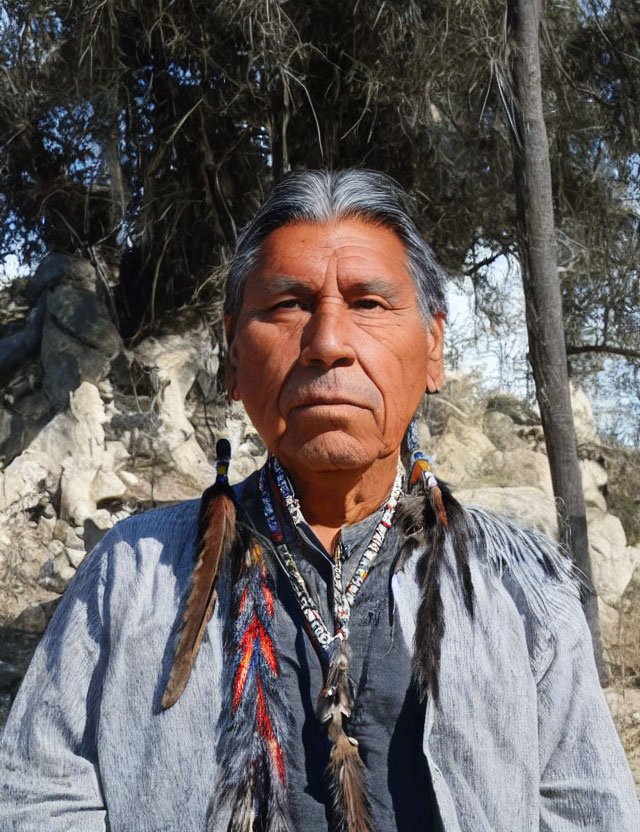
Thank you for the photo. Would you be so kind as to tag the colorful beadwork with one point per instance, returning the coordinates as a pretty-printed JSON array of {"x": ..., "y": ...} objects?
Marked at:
[
  {"x": 343, "y": 598},
  {"x": 419, "y": 462}
]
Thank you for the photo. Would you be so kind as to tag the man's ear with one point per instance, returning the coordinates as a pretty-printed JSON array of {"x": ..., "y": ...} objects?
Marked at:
[
  {"x": 435, "y": 354},
  {"x": 230, "y": 364}
]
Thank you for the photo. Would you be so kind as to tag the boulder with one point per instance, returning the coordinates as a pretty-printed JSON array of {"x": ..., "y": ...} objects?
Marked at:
[
  {"x": 56, "y": 573},
  {"x": 24, "y": 480},
  {"x": 12, "y": 427},
  {"x": 460, "y": 453},
  {"x": 248, "y": 450},
  {"x": 32, "y": 619},
  {"x": 594, "y": 479},
  {"x": 88, "y": 474},
  {"x": 58, "y": 267},
  {"x": 79, "y": 342},
  {"x": 175, "y": 361},
  {"x": 529, "y": 507},
  {"x": 500, "y": 430},
  {"x": 612, "y": 561},
  {"x": 584, "y": 423},
  {"x": 519, "y": 467},
  {"x": 95, "y": 528}
]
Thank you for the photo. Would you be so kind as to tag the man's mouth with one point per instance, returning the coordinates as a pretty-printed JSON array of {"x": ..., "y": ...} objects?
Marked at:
[
  {"x": 318, "y": 394},
  {"x": 324, "y": 402}
]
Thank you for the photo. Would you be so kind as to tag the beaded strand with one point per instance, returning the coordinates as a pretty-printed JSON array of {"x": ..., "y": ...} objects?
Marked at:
[{"x": 343, "y": 599}]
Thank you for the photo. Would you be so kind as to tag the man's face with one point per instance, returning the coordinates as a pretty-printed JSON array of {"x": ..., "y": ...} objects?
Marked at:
[{"x": 330, "y": 355}]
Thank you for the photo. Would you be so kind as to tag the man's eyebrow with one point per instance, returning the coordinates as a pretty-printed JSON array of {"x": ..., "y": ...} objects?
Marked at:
[
  {"x": 282, "y": 284},
  {"x": 386, "y": 287}
]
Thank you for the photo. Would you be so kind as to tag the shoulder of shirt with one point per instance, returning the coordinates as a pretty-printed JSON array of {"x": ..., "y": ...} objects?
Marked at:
[
  {"x": 174, "y": 521},
  {"x": 538, "y": 573},
  {"x": 175, "y": 524}
]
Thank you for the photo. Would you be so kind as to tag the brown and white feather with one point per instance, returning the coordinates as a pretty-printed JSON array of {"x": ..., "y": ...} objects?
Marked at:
[{"x": 216, "y": 533}]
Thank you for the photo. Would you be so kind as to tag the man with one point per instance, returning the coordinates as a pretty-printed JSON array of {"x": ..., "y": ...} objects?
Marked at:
[{"x": 375, "y": 659}]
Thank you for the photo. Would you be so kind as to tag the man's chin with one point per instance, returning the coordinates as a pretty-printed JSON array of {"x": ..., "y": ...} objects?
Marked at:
[{"x": 331, "y": 451}]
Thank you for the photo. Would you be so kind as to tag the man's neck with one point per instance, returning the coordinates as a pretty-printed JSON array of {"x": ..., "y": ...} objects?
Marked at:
[{"x": 333, "y": 499}]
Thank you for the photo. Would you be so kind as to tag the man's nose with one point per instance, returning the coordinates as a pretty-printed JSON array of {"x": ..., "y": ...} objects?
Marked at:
[{"x": 326, "y": 340}]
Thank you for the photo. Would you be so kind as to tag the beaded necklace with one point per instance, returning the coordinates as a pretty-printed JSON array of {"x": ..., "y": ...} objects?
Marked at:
[{"x": 343, "y": 598}]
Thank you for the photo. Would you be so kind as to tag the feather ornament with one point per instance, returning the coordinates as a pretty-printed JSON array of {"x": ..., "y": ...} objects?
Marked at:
[
  {"x": 346, "y": 772},
  {"x": 420, "y": 469},
  {"x": 349, "y": 787},
  {"x": 252, "y": 790},
  {"x": 216, "y": 534}
]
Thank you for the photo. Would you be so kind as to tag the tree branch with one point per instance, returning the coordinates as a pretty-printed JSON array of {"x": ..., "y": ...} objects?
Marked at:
[{"x": 578, "y": 349}]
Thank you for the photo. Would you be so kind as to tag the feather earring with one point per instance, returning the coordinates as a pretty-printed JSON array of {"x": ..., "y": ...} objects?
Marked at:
[
  {"x": 443, "y": 519},
  {"x": 216, "y": 534},
  {"x": 420, "y": 469}
]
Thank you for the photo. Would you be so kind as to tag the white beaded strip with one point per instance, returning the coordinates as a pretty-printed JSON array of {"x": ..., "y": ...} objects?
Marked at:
[{"x": 343, "y": 600}]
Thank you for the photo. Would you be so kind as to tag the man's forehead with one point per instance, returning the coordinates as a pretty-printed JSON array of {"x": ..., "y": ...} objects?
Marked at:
[{"x": 350, "y": 245}]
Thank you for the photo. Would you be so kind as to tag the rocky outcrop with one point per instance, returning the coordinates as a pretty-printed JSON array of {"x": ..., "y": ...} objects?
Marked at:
[
  {"x": 61, "y": 336},
  {"x": 142, "y": 436},
  {"x": 79, "y": 342},
  {"x": 496, "y": 462}
]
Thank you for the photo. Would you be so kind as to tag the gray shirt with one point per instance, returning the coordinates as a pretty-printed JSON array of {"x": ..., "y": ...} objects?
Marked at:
[{"x": 520, "y": 739}]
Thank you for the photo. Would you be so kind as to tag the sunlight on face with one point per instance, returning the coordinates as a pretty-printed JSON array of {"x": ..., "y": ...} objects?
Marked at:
[{"x": 330, "y": 354}]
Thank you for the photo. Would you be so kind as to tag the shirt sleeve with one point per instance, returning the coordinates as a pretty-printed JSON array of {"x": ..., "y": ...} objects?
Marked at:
[
  {"x": 585, "y": 783},
  {"x": 49, "y": 776}
]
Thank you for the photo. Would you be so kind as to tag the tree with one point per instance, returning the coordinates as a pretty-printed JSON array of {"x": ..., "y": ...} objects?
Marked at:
[
  {"x": 143, "y": 137},
  {"x": 545, "y": 327},
  {"x": 147, "y": 135}
]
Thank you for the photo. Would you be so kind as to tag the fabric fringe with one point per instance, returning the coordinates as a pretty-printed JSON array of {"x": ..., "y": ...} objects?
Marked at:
[
  {"x": 528, "y": 557},
  {"x": 253, "y": 733}
]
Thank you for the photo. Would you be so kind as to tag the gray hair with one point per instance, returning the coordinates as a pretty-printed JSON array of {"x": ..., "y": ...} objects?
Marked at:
[{"x": 323, "y": 196}]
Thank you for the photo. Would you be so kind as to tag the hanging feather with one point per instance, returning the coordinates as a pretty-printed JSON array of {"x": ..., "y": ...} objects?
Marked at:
[
  {"x": 216, "y": 533},
  {"x": 420, "y": 469},
  {"x": 346, "y": 772},
  {"x": 252, "y": 789},
  {"x": 347, "y": 777},
  {"x": 443, "y": 521}
]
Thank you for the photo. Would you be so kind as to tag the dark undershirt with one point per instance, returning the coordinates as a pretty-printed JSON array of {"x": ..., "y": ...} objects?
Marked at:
[{"x": 387, "y": 717}]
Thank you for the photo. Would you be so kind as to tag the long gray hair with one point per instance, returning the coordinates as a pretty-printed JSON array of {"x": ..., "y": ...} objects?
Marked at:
[{"x": 325, "y": 196}]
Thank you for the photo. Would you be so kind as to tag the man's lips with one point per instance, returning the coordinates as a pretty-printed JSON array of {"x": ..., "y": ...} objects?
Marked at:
[
  {"x": 325, "y": 402},
  {"x": 329, "y": 392}
]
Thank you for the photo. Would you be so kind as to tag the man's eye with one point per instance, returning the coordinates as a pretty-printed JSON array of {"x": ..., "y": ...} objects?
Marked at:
[
  {"x": 290, "y": 303},
  {"x": 368, "y": 303}
]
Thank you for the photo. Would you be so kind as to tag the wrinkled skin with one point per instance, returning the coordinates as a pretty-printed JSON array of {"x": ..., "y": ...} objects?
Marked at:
[{"x": 330, "y": 354}]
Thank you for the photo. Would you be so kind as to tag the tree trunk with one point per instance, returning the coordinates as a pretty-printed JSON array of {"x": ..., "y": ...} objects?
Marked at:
[{"x": 537, "y": 244}]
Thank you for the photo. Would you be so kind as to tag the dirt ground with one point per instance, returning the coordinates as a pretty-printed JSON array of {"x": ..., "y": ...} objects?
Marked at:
[{"x": 624, "y": 704}]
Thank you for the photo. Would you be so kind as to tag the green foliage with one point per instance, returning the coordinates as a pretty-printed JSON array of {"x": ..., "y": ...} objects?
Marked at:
[{"x": 145, "y": 135}]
